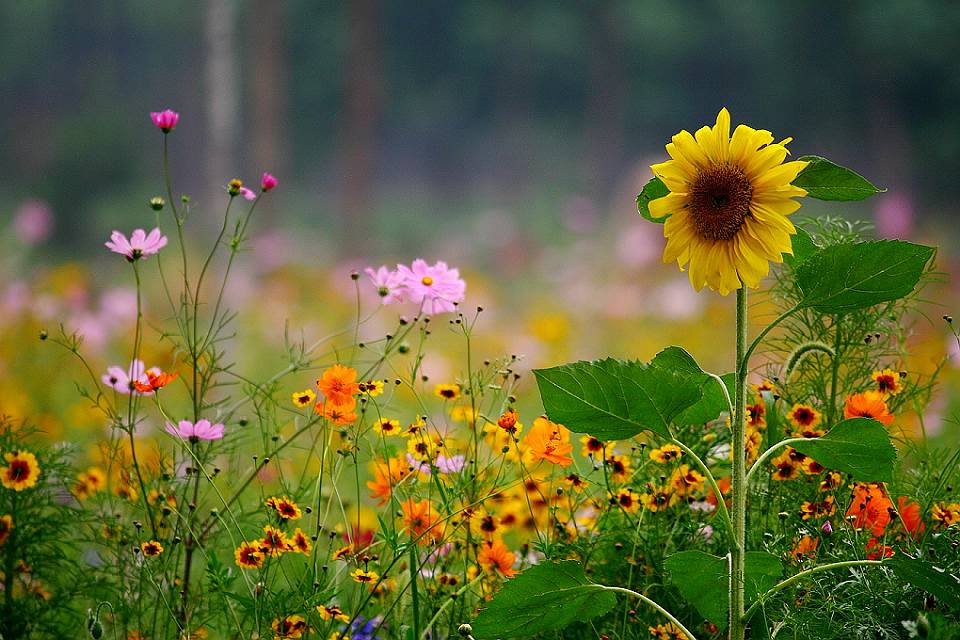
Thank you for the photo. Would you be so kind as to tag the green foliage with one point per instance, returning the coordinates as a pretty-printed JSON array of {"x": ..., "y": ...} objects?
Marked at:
[
  {"x": 852, "y": 276},
  {"x": 703, "y": 579},
  {"x": 654, "y": 189},
  {"x": 825, "y": 180},
  {"x": 548, "y": 596},
  {"x": 858, "y": 446},
  {"x": 934, "y": 580},
  {"x": 803, "y": 247}
]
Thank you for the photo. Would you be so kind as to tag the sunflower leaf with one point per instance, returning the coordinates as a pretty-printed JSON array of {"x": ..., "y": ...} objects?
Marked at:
[
  {"x": 614, "y": 399},
  {"x": 549, "y": 596},
  {"x": 932, "y": 579},
  {"x": 703, "y": 580},
  {"x": 825, "y": 180},
  {"x": 858, "y": 446},
  {"x": 803, "y": 247},
  {"x": 851, "y": 276},
  {"x": 651, "y": 191}
]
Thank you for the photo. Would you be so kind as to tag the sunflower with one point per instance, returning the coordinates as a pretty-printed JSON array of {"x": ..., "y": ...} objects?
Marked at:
[
  {"x": 21, "y": 471},
  {"x": 728, "y": 204}
]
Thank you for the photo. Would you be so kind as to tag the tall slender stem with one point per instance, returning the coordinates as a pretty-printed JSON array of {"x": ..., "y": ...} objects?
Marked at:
[
  {"x": 739, "y": 476},
  {"x": 414, "y": 571}
]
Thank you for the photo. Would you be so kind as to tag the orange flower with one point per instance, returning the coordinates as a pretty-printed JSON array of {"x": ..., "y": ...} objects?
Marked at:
[
  {"x": 274, "y": 542},
  {"x": 877, "y": 551},
  {"x": 155, "y": 381},
  {"x": 300, "y": 542},
  {"x": 249, "y": 556},
  {"x": 869, "y": 404},
  {"x": 549, "y": 441},
  {"x": 910, "y": 516},
  {"x": 339, "y": 384},
  {"x": 339, "y": 413},
  {"x": 806, "y": 547},
  {"x": 508, "y": 421},
  {"x": 422, "y": 521},
  {"x": 494, "y": 555},
  {"x": 387, "y": 476},
  {"x": 724, "y": 485},
  {"x": 285, "y": 507},
  {"x": 870, "y": 508}
]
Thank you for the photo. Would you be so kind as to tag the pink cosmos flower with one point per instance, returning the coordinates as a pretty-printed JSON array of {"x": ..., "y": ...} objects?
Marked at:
[
  {"x": 140, "y": 245},
  {"x": 435, "y": 288},
  {"x": 122, "y": 381},
  {"x": 202, "y": 430},
  {"x": 451, "y": 464},
  {"x": 165, "y": 120},
  {"x": 247, "y": 193},
  {"x": 389, "y": 284},
  {"x": 268, "y": 182},
  {"x": 416, "y": 465},
  {"x": 33, "y": 221}
]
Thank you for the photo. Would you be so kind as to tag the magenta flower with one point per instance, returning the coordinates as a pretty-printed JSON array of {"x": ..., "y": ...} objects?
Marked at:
[
  {"x": 268, "y": 182},
  {"x": 123, "y": 381},
  {"x": 165, "y": 120},
  {"x": 247, "y": 193},
  {"x": 202, "y": 430},
  {"x": 435, "y": 288},
  {"x": 389, "y": 284},
  {"x": 140, "y": 245}
]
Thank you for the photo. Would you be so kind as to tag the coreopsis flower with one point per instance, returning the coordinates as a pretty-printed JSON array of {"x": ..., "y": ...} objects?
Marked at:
[
  {"x": 195, "y": 432},
  {"x": 805, "y": 420},
  {"x": 945, "y": 514},
  {"x": 303, "y": 398},
  {"x": 151, "y": 548},
  {"x": 685, "y": 480},
  {"x": 811, "y": 467},
  {"x": 870, "y": 509},
  {"x": 415, "y": 428},
  {"x": 387, "y": 426},
  {"x": 785, "y": 467},
  {"x": 806, "y": 547},
  {"x": 447, "y": 391},
  {"x": 300, "y": 542},
  {"x": 833, "y": 480},
  {"x": 364, "y": 577},
  {"x": 333, "y": 612},
  {"x": 869, "y": 404},
  {"x": 756, "y": 414},
  {"x": 125, "y": 489},
  {"x": 372, "y": 388},
  {"x": 576, "y": 482},
  {"x": 618, "y": 468},
  {"x": 656, "y": 499},
  {"x": 288, "y": 627},
  {"x": 494, "y": 555},
  {"x": 626, "y": 500},
  {"x": 667, "y": 631},
  {"x": 422, "y": 521},
  {"x": 125, "y": 382},
  {"x": 666, "y": 453},
  {"x": 817, "y": 510},
  {"x": 21, "y": 472},
  {"x": 549, "y": 441},
  {"x": 766, "y": 385},
  {"x": 877, "y": 551},
  {"x": 155, "y": 381},
  {"x": 592, "y": 446},
  {"x": 887, "y": 381},
  {"x": 339, "y": 384},
  {"x": 436, "y": 289},
  {"x": 140, "y": 245},
  {"x": 274, "y": 542},
  {"x": 342, "y": 553},
  {"x": 285, "y": 508},
  {"x": 728, "y": 206},
  {"x": 165, "y": 120},
  {"x": 6, "y": 526},
  {"x": 268, "y": 182},
  {"x": 390, "y": 284},
  {"x": 89, "y": 482}
]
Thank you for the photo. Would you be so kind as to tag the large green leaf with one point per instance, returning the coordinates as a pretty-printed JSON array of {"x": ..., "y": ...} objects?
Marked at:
[
  {"x": 548, "y": 596},
  {"x": 825, "y": 180},
  {"x": 703, "y": 580},
  {"x": 858, "y": 446},
  {"x": 923, "y": 575},
  {"x": 651, "y": 191},
  {"x": 851, "y": 276},
  {"x": 712, "y": 402},
  {"x": 803, "y": 247},
  {"x": 613, "y": 399}
]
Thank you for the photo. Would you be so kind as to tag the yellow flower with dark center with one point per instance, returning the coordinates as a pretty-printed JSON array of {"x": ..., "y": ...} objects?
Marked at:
[
  {"x": 372, "y": 388},
  {"x": 274, "y": 542},
  {"x": 785, "y": 467},
  {"x": 249, "y": 556},
  {"x": 888, "y": 381},
  {"x": 806, "y": 421},
  {"x": 364, "y": 577},
  {"x": 447, "y": 391},
  {"x": 626, "y": 500},
  {"x": 332, "y": 612},
  {"x": 300, "y": 541},
  {"x": 387, "y": 427},
  {"x": 151, "y": 548},
  {"x": 657, "y": 499},
  {"x": 21, "y": 472},
  {"x": 833, "y": 480},
  {"x": 285, "y": 507},
  {"x": 288, "y": 627},
  {"x": 304, "y": 398},
  {"x": 728, "y": 204},
  {"x": 666, "y": 453},
  {"x": 342, "y": 553},
  {"x": 6, "y": 526},
  {"x": 685, "y": 480}
]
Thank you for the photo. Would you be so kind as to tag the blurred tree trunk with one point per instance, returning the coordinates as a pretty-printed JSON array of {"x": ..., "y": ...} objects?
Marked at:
[
  {"x": 362, "y": 109},
  {"x": 269, "y": 89},
  {"x": 606, "y": 101},
  {"x": 222, "y": 101}
]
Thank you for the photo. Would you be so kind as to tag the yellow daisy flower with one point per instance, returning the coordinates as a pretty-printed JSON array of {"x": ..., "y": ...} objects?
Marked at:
[
  {"x": 728, "y": 204},
  {"x": 304, "y": 398},
  {"x": 387, "y": 427},
  {"x": 21, "y": 471},
  {"x": 447, "y": 391}
]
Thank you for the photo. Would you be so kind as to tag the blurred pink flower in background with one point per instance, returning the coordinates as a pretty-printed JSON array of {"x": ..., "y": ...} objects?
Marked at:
[
  {"x": 268, "y": 181},
  {"x": 580, "y": 214},
  {"x": 202, "y": 430},
  {"x": 451, "y": 464},
  {"x": 165, "y": 120},
  {"x": 894, "y": 215},
  {"x": 140, "y": 245},
  {"x": 389, "y": 284},
  {"x": 436, "y": 288},
  {"x": 122, "y": 381},
  {"x": 33, "y": 222},
  {"x": 248, "y": 194}
]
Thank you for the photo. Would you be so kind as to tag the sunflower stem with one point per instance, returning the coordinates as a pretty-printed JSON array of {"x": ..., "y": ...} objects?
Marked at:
[{"x": 739, "y": 476}]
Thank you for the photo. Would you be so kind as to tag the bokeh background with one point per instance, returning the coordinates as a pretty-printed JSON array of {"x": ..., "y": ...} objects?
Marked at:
[{"x": 508, "y": 138}]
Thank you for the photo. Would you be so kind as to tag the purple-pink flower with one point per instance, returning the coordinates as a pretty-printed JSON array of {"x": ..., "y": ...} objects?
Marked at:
[
  {"x": 202, "y": 430},
  {"x": 435, "y": 288},
  {"x": 165, "y": 120},
  {"x": 268, "y": 182},
  {"x": 247, "y": 193},
  {"x": 123, "y": 381},
  {"x": 451, "y": 464},
  {"x": 389, "y": 284},
  {"x": 140, "y": 244}
]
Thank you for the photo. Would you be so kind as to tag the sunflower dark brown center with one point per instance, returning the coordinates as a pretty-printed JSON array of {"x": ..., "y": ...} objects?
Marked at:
[{"x": 720, "y": 202}]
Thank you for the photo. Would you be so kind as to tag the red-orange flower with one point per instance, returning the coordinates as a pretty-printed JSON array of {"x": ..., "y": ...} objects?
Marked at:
[
  {"x": 339, "y": 413},
  {"x": 339, "y": 384},
  {"x": 877, "y": 551},
  {"x": 806, "y": 547},
  {"x": 910, "y": 516},
  {"x": 422, "y": 521},
  {"x": 155, "y": 381},
  {"x": 870, "y": 509},
  {"x": 869, "y": 404},
  {"x": 549, "y": 441},
  {"x": 494, "y": 555}
]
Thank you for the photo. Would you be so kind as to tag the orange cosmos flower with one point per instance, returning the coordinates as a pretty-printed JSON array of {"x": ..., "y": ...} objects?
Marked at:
[
  {"x": 338, "y": 413},
  {"x": 155, "y": 381},
  {"x": 494, "y": 555},
  {"x": 877, "y": 551},
  {"x": 21, "y": 472},
  {"x": 508, "y": 421},
  {"x": 422, "y": 521},
  {"x": 805, "y": 547},
  {"x": 387, "y": 476},
  {"x": 869, "y": 404},
  {"x": 549, "y": 441},
  {"x": 339, "y": 384},
  {"x": 870, "y": 508},
  {"x": 910, "y": 516}
]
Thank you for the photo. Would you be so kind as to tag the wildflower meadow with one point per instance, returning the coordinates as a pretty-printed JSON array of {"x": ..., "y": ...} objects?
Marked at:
[{"x": 227, "y": 467}]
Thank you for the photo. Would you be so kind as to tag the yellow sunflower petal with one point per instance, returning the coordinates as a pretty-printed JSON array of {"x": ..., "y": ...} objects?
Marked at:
[
  {"x": 670, "y": 203},
  {"x": 673, "y": 175},
  {"x": 763, "y": 160},
  {"x": 685, "y": 147},
  {"x": 781, "y": 175}
]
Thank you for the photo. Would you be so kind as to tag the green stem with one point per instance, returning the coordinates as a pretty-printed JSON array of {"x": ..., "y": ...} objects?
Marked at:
[
  {"x": 648, "y": 601},
  {"x": 739, "y": 475},
  {"x": 803, "y": 574},
  {"x": 413, "y": 588},
  {"x": 834, "y": 371},
  {"x": 763, "y": 334}
]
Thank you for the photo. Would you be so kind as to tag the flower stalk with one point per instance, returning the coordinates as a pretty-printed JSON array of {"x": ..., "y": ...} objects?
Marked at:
[{"x": 739, "y": 477}]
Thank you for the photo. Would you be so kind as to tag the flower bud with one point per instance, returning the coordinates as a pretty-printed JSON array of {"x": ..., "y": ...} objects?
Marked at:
[
  {"x": 157, "y": 203},
  {"x": 234, "y": 186},
  {"x": 268, "y": 182}
]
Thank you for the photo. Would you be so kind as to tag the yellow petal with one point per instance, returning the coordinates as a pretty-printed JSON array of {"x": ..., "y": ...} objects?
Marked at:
[
  {"x": 708, "y": 142},
  {"x": 673, "y": 175},
  {"x": 670, "y": 203},
  {"x": 721, "y": 132},
  {"x": 685, "y": 146},
  {"x": 763, "y": 160},
  {"x": 781, "y": 175}
]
